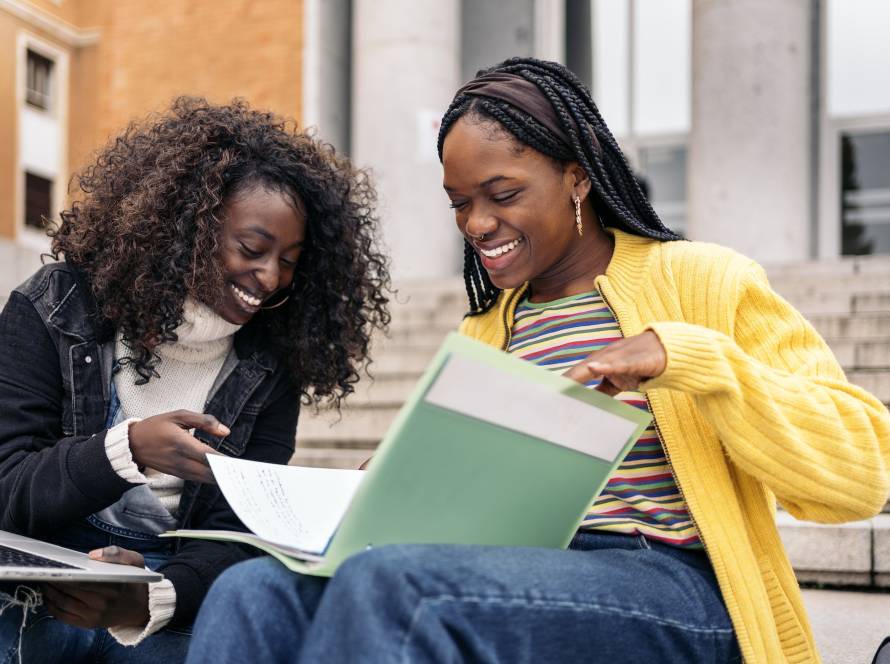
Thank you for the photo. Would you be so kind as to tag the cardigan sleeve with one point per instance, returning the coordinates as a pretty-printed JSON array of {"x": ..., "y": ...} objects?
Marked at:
[{"x": 782, "y": 407}]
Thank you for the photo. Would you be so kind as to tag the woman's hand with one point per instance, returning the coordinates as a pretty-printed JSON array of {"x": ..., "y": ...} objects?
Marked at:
[
  {"x": 623, "y": 364},
  {"x": 163, "y": 442},
  {"x": 91, "y": 605}
]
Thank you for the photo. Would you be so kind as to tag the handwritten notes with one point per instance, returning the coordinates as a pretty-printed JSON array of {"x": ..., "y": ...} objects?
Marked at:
[{"x": 291, "y": 506}]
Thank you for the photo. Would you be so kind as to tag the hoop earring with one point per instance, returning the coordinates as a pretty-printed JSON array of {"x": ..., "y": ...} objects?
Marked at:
[
  {"x": 577, "y": 201},
  {"x": 284, "y": 301}
]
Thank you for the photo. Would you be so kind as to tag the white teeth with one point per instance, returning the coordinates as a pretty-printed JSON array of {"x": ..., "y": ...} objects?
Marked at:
[
  {"x": 252, "y": 301},
  {"x": 503, "y": 249}
]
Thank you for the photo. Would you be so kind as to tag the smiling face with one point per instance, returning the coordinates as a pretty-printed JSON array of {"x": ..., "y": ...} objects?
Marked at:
[
  {"x": 521, "y": 202},
  {"x": 260, "y": 241}
]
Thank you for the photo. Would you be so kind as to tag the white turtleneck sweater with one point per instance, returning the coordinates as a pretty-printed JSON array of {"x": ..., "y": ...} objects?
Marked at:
[{"x": 187, "y": 370}]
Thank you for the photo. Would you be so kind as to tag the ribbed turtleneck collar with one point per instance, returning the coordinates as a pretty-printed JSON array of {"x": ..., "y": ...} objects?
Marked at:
[{"x": 203, "y": 335}]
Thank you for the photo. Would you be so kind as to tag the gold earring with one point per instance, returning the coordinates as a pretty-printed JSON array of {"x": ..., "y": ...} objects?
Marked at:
[
  {"x": 277, "y": 304},
  {"x": 286, "y": 298},
  {"x": 577, "y": 200}
]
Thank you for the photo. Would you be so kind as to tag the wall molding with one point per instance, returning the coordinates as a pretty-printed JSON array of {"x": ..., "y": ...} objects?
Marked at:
[{"x": 36, "y": 18}]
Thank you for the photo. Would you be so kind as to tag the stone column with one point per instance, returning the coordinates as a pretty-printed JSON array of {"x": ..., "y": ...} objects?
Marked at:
[
  {"x": 406, "y": 61},
  {"x": 749, "y": 162},
  {"x": 326, "y": 70}
]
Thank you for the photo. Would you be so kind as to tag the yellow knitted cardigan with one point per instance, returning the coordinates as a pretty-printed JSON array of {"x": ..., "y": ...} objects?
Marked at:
[{"x": 752, "y": 405}]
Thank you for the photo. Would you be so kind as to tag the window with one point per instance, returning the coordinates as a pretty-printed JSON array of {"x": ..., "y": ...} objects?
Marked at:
[
  {"x": 865, "y": 192},
  {"x": 857, "y": 52},
  {"x": 38, "y": 200},
  {"x": 642, "y": 80},
  {"x": 642, "y": 66},
  {"x": 663, "y": 172},
  {"x": 39, "y": 82}
]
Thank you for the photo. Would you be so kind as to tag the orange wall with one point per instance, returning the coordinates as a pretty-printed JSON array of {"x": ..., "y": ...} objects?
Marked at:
[
  {"x": 8, "y": 125},
  {"x": 150, "y": 52},
  {"x": 146, "y": 54}
]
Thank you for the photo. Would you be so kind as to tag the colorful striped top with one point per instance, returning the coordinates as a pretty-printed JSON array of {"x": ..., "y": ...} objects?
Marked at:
[{"x": 641, "y": 496}]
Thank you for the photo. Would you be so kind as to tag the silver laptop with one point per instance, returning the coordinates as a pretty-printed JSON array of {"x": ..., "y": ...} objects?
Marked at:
[{"x": 26, "y": 559}]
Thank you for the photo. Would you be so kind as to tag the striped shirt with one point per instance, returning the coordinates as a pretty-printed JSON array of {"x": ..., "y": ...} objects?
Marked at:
[{"x": 641, "y": 496}]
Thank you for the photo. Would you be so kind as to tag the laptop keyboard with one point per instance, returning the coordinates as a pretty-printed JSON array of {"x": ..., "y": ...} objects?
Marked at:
[{"x": 15, "y": 558}]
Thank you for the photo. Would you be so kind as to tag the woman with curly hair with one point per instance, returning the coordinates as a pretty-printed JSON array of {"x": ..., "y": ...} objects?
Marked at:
[{"x": 218, "y": 269}]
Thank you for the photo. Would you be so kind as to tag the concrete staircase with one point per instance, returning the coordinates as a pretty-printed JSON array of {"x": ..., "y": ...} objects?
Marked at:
[{"x": 848, "y": 301}]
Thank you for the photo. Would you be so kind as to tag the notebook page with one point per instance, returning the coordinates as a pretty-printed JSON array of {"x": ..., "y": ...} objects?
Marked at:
[{"x": 291, "y": 506}]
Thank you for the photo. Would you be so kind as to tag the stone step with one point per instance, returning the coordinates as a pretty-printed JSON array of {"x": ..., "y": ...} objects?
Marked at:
[
  {"x": 357, "y": 427},
  {"x": 863, "y": 326},
  {"x": 869, "y": 287},
  {"x": 852, "y": 353},
  {"x": 823, "y": 270},
  {"x": 862, "y": 354},
  {"x": 826, "y": 268},
  {"x": 329, "y": 458},
  {"x": 824, "y": 274},
  {"x": 876, "y": 382},
  {"x": 841, "y": 303},
  {"x": 848, "y": 625},
  {"x": 831, "y": 325},
  {"x": 401, "y": 337},
  {"x": 791, "y": 288},
  {"x": 856, "y": 553},
  {"x": 406, "y": 361},
  {"x": 870, "y": 294},
  {"x": 871, "y": 355},
  {"x": 387, "y": 390},
  {"x": 406, "y": 358},
  {"x": 833, "y": 307},
  {"x": 445, "y": 317},
  {"x": 870, "y": 359}
]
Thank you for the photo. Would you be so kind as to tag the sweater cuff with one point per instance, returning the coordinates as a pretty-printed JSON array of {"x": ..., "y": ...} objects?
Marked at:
[
  {"x": 117, "y": 448},
  {"x": 161, "y": 606},
  {"x": 696, "y": 360}
]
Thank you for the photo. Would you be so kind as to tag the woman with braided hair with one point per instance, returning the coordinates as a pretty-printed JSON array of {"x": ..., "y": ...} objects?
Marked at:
[{"x": 679, "y": 559}]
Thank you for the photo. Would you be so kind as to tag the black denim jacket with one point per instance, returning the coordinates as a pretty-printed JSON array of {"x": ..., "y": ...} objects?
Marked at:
[{"x": 53, "y": 406}]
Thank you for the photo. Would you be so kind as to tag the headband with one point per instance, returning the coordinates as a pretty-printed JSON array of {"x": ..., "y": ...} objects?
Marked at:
[{"x": 525, "y": 96}]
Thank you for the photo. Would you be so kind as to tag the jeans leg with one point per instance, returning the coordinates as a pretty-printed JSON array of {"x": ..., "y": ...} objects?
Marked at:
[
  {"x": 256, "y": 611},
  {"x": 419, "y": 604},
  {"x": 42, "y": 639}
]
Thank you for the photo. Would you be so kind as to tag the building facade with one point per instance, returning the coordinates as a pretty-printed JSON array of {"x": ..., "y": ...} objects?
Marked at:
[
  {"x": 75, "y": 72},
  {"x": 762, "y": 125}
]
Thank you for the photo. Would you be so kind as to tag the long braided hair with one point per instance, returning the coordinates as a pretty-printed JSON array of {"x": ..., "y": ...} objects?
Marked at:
[{"x": 616, "y": 195}]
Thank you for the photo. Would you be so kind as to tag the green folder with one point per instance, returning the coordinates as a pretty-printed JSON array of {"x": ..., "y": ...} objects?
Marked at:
[{"x": 488, "y": 450}]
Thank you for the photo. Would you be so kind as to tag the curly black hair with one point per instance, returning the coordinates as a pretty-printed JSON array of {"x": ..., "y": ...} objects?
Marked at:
[
  {"x": 616, "y": 194},
  {"x": 145, "y": 229}
]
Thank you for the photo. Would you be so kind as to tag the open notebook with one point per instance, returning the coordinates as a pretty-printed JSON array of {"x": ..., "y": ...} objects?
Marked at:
[{"x": 489, "y": 450}]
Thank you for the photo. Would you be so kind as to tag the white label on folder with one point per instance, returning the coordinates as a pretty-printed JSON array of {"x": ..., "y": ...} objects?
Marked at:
[{"x": 496, "y": 396}]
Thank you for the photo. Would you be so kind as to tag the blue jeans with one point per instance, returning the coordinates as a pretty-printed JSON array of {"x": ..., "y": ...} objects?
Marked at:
[
  {"x": 47, "y": 640},
  {"x": 610, "y": 598}
]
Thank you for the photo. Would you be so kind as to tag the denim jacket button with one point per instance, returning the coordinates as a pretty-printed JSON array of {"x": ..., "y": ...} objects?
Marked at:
[{"x": 88, "y": 359}]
